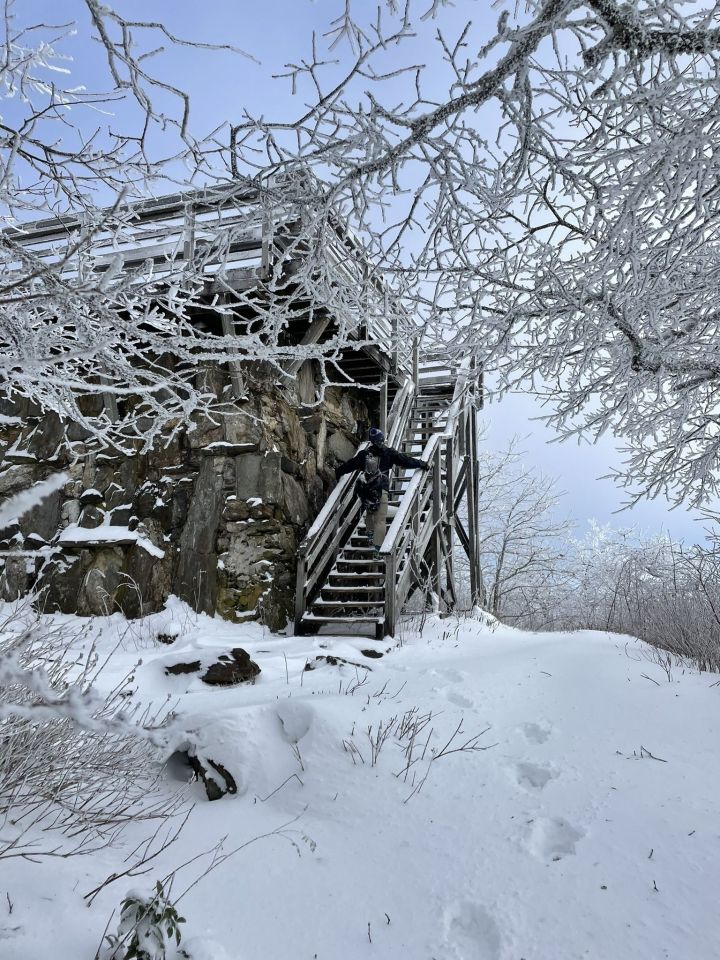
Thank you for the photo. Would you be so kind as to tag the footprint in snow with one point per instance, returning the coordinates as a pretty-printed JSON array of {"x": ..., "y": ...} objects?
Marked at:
[
  {"x": 552, "y": 839},
  {"x": 460, "y": 701},
  {"x": 471, "y": 933},
  {"x": 536, "y": 732},
  {"x": 454, "y": 676},
  {"x": 535, "y": 776}
]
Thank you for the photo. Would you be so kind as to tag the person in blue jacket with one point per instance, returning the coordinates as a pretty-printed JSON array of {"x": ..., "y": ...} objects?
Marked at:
[{"x": 372, "y": 486}]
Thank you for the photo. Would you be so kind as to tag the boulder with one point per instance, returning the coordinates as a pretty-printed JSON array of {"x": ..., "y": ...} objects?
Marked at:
[
  {"x": 44, "y": 518},
  {"x": 15, "y": 578},
  {"x": 47, "y": 438},
  {"x": 100, "y": 585},
  {"x": 340, "y": 447},
  {"x": 217, "y": 781},
  {"x": 177, "y": 669},
  {"x": 228, "y": 671},
  {"x": 91, "y": 517},
  {"x": 247, "y": 475},
  {"x": 60, "y": 583},
  {"x": 294, "y": 501},
  {"x": 70, "y": 512},
  {"x": 15, "y": 478}
]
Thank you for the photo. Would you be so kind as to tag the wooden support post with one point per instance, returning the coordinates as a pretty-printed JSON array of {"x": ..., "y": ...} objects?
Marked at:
[
  {"x": 312, "y": 335},
  {"x": 300, "y": 592},
  {"x": 472, "y": 504},
  {"x": 228, "y": 328},
  {"x": 390, "y": 595},
  {"x": 450, "y": 515},
  {"x": 189, "y": 235},
  {"x": 266, "y": 242},
  {"x": 437, "y": 526},
  {"x": 382, "y": 419},
  {"x": 394, "y": 346}
]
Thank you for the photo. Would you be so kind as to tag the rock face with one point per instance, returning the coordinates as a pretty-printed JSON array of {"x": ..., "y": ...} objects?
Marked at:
[{"x": 214, "y": 517}]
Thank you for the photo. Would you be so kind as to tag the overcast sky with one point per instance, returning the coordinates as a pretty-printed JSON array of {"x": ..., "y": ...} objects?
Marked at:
[{"x": 222, "y": 86}]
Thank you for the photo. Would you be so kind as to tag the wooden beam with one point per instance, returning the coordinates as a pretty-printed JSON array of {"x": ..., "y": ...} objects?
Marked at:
[{"x": 313, "y": 334}]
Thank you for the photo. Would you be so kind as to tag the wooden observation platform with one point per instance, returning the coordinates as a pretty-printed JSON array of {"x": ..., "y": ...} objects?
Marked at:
[{"x": 240, "y": 254}]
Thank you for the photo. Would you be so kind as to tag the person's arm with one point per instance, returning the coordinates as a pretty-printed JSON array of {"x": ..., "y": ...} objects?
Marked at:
[
  {"x": 354, "y": 463},
  {"x": 401, "y": 459}
]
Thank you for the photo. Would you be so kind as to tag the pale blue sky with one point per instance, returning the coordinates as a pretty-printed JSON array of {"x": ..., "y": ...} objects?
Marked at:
[{"x": 223, "y": 85}]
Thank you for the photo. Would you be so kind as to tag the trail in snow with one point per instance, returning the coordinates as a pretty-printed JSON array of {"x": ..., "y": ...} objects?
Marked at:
[{"x": 588, "y": 828}]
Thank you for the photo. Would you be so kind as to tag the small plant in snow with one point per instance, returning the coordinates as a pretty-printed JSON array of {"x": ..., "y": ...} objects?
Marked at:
[{"x": 148, "y": 926}]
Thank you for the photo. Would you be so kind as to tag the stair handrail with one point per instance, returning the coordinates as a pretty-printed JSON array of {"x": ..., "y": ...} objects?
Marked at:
[
  {"x": 403, "y": 509},
  {"x": 338, "y": 514},
  {"x": 416, "y": 498}
]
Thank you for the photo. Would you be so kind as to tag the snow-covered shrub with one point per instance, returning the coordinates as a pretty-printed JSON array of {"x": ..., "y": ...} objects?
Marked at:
[
  {"x": 648, "y": 587},
  {"x": 72, "y": 762},
  {"x": 149, "y": 924}
]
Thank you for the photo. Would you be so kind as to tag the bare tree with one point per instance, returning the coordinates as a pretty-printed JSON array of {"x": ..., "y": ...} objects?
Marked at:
[
  {"x": 549, "y": 201},
  {"x": 653, "y": 588},
  {"x": 105, "y": 305},
  {"x": 542, "y": 194},
  {"x": 523, "y": 540}
]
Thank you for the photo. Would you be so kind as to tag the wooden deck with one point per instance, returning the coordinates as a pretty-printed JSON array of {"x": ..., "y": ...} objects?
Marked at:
[{"x": 232, "y": 248}]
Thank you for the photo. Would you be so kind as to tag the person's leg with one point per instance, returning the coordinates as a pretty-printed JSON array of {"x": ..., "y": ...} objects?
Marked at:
[
  {"x": 380, "y": 520},
  {"x": 369, "y": 524}
]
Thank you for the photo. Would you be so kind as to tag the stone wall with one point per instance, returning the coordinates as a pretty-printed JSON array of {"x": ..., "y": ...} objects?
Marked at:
[{"x": 215, "y": 517}]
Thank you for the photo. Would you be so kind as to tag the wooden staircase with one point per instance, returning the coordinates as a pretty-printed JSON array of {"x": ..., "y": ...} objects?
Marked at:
[{"x": 341, "y": 583}]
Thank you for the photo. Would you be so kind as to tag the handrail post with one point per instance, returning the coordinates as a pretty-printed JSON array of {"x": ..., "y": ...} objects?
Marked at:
[
  {"x": 300, "y": 591},
  {"x": 189, "y": 235},
  {"x": 416, "y": 362},
  {"x": 394, "y": 346},
  {"x": 383, "y": 405},
  {"x": 266, "y": 241},
  {"x": 437, "y": 515}
]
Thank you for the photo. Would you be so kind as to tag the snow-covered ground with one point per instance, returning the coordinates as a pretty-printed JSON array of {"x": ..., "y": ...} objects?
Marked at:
[{"x": 587, "y": 828}]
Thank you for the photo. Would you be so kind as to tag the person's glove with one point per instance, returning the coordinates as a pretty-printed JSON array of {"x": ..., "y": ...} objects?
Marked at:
[{"x": 425, "y": 466}]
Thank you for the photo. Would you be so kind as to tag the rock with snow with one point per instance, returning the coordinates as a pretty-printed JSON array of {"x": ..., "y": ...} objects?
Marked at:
[{"x": 237, "y": 668}]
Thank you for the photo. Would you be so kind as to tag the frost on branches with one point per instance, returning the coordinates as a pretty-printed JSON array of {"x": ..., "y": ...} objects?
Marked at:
[
  {"x": 76, "y": 767},
  {"x": 541, "y": 194},
  {"x": 113, "y": 304},
  {"x": 547, "y": 196}
]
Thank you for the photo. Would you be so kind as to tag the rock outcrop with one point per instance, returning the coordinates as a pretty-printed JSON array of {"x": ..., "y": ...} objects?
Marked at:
[{"x": 215, "y": 516}]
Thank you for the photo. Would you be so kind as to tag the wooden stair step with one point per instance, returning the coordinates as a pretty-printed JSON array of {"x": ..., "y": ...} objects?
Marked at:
[
  {"x": 313, "y": 618},
  {"x": 356, "y": 576},
  {"x": 359, "y": 588}
]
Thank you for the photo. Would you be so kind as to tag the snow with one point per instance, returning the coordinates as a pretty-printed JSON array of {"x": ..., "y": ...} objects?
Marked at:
[
  {"x": 583, "y": 825},
  {"x": 24, "y": 501},
  {"x": 73, "y": 534},
  {"x": 222, "y": 446}
]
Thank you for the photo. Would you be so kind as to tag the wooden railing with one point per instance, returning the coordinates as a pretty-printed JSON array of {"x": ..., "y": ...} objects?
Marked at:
[
  {"x": 340, "y": 514},
  {"x": 228, "y": 238},
  {"x": 423, "y": 511}
]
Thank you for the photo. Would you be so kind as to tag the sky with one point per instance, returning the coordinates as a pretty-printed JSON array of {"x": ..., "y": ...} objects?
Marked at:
[{"x": 223, "y": 85}]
